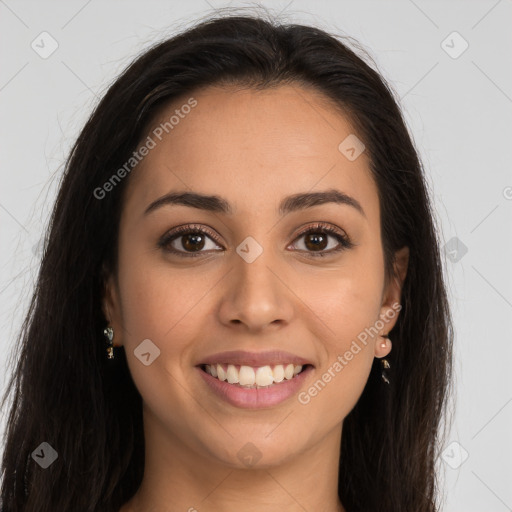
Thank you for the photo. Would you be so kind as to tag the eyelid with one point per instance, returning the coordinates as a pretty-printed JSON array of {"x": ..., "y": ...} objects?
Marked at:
[
  {"x": 322, "y": 226},
  {"x": 195, "y": 227}
]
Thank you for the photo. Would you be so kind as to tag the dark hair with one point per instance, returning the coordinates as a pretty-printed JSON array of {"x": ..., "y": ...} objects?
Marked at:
[{"x": 68, "y": 394}]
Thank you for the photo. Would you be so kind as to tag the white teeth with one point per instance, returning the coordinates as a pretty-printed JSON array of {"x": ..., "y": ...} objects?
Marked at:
[
  {"x": 248, "y": 376},
  {"x": 278, "y": 373},
  {"x": 264, "y": 376},
  {"x": 221, "y": 374},
  {"x": 288, "y": 371},
  {"x": 232, "y": 374}
]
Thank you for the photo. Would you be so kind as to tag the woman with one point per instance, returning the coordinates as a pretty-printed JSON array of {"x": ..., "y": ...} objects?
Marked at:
[{"x": 241, "y": 303}]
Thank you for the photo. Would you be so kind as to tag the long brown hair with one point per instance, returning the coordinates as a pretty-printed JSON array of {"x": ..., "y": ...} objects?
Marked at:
[{"x": 64, "y": 390}]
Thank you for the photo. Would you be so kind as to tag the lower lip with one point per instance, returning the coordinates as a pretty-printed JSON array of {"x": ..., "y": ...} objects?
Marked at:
[{"x": 253, "y": 398}]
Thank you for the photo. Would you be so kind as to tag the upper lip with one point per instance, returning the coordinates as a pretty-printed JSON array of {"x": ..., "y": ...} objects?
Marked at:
[{"x": 242, "y": 357}]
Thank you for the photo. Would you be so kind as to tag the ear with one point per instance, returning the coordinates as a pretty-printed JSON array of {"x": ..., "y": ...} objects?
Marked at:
[
  {"x": 393, "y": 291},
  {"x": 110, "y": 305}
]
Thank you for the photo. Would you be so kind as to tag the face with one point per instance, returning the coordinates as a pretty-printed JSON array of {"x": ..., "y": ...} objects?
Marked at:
[{"x": 306, "y": 279}]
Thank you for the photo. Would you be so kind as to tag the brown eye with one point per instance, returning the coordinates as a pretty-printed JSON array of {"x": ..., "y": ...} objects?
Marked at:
[
  {"x": 316, "y": 240},
  {"x": 193, "y": 241},
  {"x": 188, "y": 241}
]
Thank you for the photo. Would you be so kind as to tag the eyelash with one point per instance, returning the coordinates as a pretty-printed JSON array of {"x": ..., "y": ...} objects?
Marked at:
[{"x": 319, "y": 227}]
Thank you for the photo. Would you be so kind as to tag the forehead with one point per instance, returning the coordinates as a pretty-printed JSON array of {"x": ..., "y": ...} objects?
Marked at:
[{"x": 250, "y": 146}]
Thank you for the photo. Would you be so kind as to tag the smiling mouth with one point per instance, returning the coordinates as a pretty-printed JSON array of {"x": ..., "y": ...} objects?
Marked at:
[{"x": 254, "y": 377}]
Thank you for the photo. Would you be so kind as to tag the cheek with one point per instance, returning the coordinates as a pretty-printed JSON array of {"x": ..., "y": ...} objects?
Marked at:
[
  {"x": 347, "y": 304},
  {"x": 158, "y": 301},
  {"x": 347, "y": 299},
  {"x": 162, "y": 307},
  {"x": 336, "y": 390}
]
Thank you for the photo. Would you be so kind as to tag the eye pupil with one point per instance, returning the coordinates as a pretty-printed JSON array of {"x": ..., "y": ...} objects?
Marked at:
[
  {"x": 197, "y": 238},
  {"x": 314, "y": 238}
]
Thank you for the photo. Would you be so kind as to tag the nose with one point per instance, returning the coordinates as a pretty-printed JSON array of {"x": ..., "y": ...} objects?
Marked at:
[{"x": 257, "y": 295}]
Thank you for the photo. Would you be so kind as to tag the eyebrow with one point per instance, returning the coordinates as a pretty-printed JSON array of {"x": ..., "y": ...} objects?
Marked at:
[{"x": 293, "y": 203}]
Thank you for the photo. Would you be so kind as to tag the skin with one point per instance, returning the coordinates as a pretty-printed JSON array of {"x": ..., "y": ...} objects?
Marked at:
[{"x": 252, "y": 148}]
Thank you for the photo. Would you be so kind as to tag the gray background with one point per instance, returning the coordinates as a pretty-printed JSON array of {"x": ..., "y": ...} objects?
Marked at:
[{"x": 458, "y": 107}]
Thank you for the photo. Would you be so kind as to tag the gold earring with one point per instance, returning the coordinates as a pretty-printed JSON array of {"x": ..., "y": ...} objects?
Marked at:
[
  {"x": 109, "y": 334},
  {"x": 384, "y": 362}
]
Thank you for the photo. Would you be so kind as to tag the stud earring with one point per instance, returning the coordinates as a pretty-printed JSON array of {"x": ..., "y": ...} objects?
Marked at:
[
  {"x": 109, "y": 334},
  {"x": 384, "y": 362}
]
